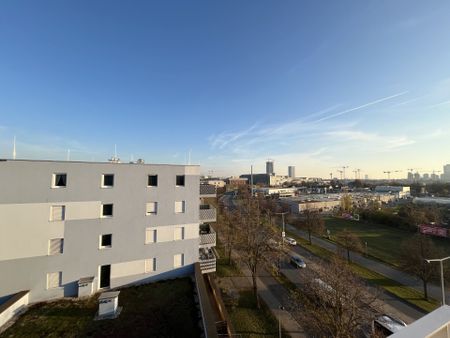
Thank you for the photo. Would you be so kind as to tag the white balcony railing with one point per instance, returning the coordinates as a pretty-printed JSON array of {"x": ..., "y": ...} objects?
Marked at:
[
  {"x": 207, "y": 213},
  {"x": 207, "y": 261},
  {"x": 208, "y": 239},
  {"x": 207, "y": 190}
]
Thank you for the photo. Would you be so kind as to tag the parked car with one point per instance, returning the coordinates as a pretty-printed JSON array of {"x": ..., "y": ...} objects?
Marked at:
[
  {"x": 386, "y": 325},
  {"x": 298, "y": 262},
  {"x": 290, "y": 240}
]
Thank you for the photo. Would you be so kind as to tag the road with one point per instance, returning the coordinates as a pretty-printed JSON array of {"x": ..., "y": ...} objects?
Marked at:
[
  {"x": 388, "y": 303},
  {"x": 383, "y": 269}
]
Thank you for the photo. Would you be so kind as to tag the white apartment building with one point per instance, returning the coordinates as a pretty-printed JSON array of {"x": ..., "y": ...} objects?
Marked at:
[{"x": 71, "y": 225}]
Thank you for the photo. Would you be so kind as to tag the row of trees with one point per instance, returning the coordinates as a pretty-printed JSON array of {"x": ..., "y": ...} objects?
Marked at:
[{"x": 246, "y": 230}]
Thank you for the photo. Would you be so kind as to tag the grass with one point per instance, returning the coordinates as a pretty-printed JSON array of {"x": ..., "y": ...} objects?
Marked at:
[
  {"x": 249, "y": 321},
  {"x": 406, "y": 293},
  {"x": 382, "y": 241},
  {"x": 223, "y": 269},
  {"x": 148, "y": 310}
]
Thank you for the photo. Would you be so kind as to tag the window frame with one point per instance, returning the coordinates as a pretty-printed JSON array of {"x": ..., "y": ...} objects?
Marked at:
[
  {"x": 61, "y": 250},
  {"x": 184, "y": 181},
  {"x": 48, "y": 287},
  {"x": 102, "y": 215},
  {"x": 103, "y": 186},
  {"x": 154, "y": 237},
  {"x": 153, "y": 263},
  {"x": 147, "y": 213},
  {"x": 183, "y": 233},
  {"x": 183, "y": 263},
  {"x": 54, "y": 186},
  {"x": 183, "y": 207},
  {"x": 63, "y": 214},
  {"x": 101, "y": 246},
  {"x": 148, "y": 181}
]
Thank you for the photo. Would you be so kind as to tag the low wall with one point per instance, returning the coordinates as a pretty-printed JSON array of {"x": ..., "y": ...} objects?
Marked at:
[
  {"x": 13, "y": 307},
  {"x": 209, "y": 325}
]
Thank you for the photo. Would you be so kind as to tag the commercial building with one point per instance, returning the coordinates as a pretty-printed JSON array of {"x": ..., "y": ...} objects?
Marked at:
[
  {"x": 291, "y": 171},
  {"x": 401, "y": 192},
  {"x": 265, "y": 179},
  {"x": 236, "y": 181},
  {"x": 281, "y": 192},
  {"x": 218, "y": 183},
  {"x": 67, "y": 225}
]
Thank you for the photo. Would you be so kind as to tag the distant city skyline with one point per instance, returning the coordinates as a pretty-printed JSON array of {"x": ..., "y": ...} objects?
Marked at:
[{"x": 229, "y": 84}]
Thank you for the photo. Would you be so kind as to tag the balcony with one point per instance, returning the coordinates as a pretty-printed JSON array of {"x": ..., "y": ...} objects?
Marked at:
[
  {"x": 207, "y": 213},
  {"x": 207, "y": 236},
  {"x": 207, "y": 191},
  {"x": 207, "y": 261}
]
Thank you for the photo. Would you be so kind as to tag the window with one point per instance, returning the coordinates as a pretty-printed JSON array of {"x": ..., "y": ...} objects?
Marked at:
[
  {"x": 107, "y": 210},
  {"x": 54, "y": 279},
  {"x": 151, "y": 236},
  {"x": 55, "y": 246},
  {"x": 105, "y": 276},
  {"x": 105, "y": 241},
  {"x": 180, "y": 180},
  {"x": 152, "y": 208},
  {"x": 178, "y": 260},
  {"x": 178, "y": 234},
  {"x": 180, "y": 207},
  {"x": 152, "y": 180},
  {"x": 150, "y": 265},
  {"x": 107, "y": 180},
  {"x": 57, "y": 213},
  {"x": 59, "y": 180}
]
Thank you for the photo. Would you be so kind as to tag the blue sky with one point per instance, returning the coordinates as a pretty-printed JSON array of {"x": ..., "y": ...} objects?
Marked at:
[{"x": 316, "y": 84}]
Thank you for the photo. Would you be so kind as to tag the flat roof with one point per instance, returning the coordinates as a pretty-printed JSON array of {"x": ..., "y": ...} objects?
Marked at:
[
  {"x": 94, "y": 162},
  {"x": 426, "y": 325}
]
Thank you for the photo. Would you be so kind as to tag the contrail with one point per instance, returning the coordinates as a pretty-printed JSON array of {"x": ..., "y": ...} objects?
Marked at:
[{"x": 361, "y": 107}]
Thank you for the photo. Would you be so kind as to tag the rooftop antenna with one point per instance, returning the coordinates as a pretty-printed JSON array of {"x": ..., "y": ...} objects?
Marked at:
[
  {"x": 68, "y": 154},
  {"x": 115, "y": 151},
  {"x": 14, "y": 148}
]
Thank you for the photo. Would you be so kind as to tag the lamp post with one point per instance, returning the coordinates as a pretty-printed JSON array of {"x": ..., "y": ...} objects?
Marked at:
[
  {"x": 281, "y": 307},
  {"x": 440, "y": 260},
  {"x": 283, "y": 233}
]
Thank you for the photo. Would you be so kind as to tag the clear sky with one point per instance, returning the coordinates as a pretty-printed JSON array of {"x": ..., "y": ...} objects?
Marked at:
[{"x": 315, "y": 84}]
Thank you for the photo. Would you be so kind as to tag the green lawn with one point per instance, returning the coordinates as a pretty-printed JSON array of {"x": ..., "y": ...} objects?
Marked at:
[
  {"x": 148, "y": 311},
  {"x": 249, "y": 322},
  {"x": 383, "y": 242}
]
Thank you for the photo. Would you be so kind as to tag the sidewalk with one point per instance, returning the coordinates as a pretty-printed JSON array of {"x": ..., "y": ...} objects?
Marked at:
[{"x": 381, "y": 268}]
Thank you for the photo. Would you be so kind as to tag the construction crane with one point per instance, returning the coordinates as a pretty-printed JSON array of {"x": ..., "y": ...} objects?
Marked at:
[
  {"x": 340, "y": 172},
  {"x": 356, "y": 173},
  {"x": 389, "y": 172},
  {"x": 359, "y": 173},
  {"x": 331, "y": 176}
]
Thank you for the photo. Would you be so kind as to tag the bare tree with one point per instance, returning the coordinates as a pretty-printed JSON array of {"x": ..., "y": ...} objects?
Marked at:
[
  {"x": 334, "y": 302},
  {"x": 228, "y": 227},
  {"x": 346, "y": 203},
  {"x": 350, "y": 242},
  {"x": 312, "y": 223},
  {"x": 254, "y": 234},
  {"x": 413, "y": 253}
]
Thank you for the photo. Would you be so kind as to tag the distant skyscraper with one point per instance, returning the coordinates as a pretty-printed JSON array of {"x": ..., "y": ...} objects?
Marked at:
[
  {"x": 410, "y": 176},
  {"x": 269, "y": 167},
  {"x": 366, "y": 177},
  {"x": 446, "y": 173},
  {"x": 291, "y": 171},
  {"x": 416, "y": 176}
]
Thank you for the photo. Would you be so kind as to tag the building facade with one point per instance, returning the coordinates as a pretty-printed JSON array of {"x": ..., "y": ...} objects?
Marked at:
[
  {"x": 108, "y": 224},
  {"x": 269, "y": 168}
]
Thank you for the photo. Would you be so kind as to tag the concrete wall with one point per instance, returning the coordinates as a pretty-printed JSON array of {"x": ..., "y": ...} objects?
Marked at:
[
  {"x": 13, "y": 307},
  {"x": 25, "y": 201}
]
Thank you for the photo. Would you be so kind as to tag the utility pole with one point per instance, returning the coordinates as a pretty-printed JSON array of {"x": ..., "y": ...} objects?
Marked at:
[{"x": 251, "y": 179}]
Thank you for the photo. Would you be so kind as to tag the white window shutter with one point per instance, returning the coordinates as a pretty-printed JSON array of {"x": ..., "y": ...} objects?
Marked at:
[
  {"x": 54, "y": 279},
  {"x": 57, "y": 212}
]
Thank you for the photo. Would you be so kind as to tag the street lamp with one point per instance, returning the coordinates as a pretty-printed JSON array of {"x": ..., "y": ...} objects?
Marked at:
[
  {"x": 283, "y": 233},
  {"x": 440, "y": 260},
  {"x": 281, "y": 307}
]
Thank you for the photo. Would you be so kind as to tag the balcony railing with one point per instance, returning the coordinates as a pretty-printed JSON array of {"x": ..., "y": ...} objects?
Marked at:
[
  {"x": 207, "y": 261},
  {"x": 207, "y": 213},
  {"x": 207, "y": 190},
  {"x": 208, "y": 238}
]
